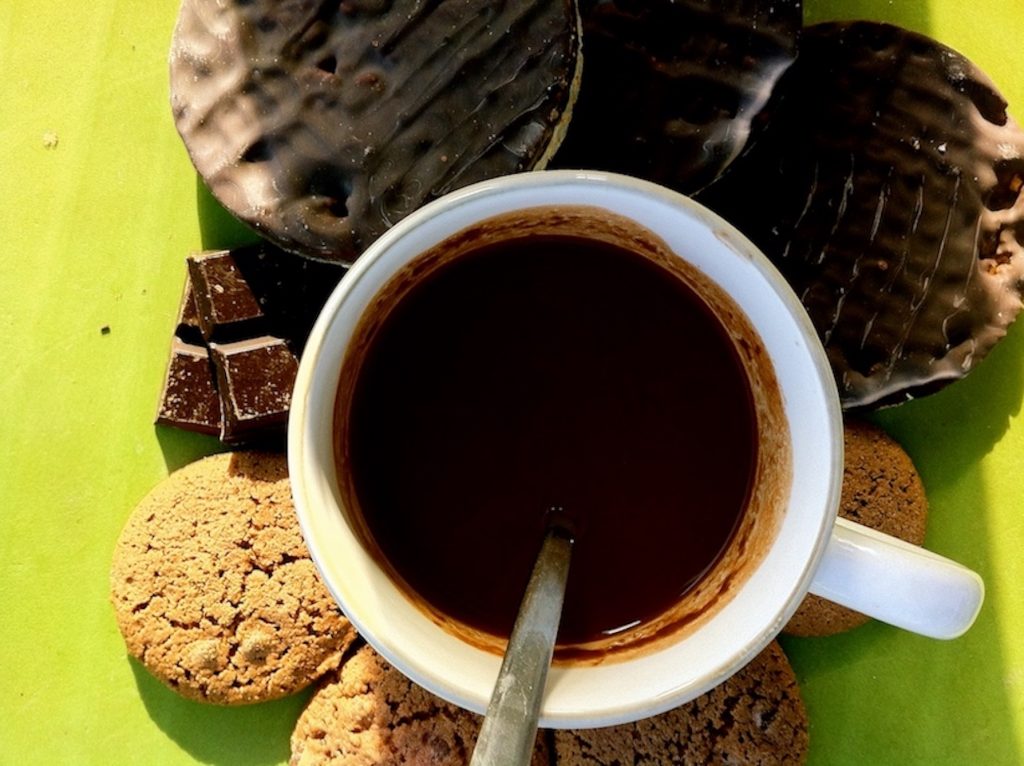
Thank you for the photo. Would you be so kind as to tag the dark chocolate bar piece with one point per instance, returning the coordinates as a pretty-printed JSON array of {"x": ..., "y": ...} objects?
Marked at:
[
  {"x": 189, "y": 398},
  {"x": 888, "y": 188},
  {"x": 225, "y": 304},
  {"x": 254, "y": 379},
  {"x": 253, "y": 308}
]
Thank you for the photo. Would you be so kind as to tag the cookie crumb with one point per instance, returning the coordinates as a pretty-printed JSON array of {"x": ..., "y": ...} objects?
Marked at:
[
  {"x": 202, "y": 654},
  {"x": 256, "y": 646},
  {"x": 50, "y": 140}
]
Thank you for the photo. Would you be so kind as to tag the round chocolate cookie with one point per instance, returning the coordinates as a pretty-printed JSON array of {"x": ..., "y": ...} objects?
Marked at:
[
  {"x": 214, "y": 591},
  {"x": 671, "y": 88},
  {"x": 322, "y": 124},
  {"x": 369, "y": 713},
  {"x": 755, "y": 717},
  {"x": 887, "y": 188},
  {"x": 882, "y": 490}
]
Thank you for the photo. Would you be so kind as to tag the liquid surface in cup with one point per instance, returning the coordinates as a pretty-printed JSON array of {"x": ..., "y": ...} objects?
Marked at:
[{"x": 550, "y": 372}]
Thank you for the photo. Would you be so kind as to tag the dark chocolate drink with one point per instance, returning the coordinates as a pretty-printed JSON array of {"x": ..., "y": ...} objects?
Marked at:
[{"x": 549, "y": 372}]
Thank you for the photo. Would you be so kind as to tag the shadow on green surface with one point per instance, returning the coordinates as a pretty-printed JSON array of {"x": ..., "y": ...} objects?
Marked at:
[
  {"x": 180, "y": 447},
  {"x": 217, "y": 227},
  {"x": 245, "y": 735},
  {"x": 961, "y": 423}
]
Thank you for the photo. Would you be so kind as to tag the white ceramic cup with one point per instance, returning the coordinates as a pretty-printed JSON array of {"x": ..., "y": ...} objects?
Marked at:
[{"x": 811, "y": 550}]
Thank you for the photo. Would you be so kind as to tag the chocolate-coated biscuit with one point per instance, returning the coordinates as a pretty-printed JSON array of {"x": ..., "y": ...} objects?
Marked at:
[
  {"x": 323, "y": 123},
  {"x": 214, "y": 591},
  {"x": 882, "y": 490},
  {"x": 671, "y": 89},
  {"x": 755, "y": 717},
  {"x": 369, "y": 713},
  {"x": 888, "y": 187}
]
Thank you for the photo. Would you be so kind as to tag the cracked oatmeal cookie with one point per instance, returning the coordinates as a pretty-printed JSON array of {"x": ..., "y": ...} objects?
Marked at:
[
  {"x": 756, "y": 717},
  {"x": 214, "y": 590}
]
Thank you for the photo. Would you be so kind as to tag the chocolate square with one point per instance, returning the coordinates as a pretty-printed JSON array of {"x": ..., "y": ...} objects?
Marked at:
[
  {"x": 227, "y": 307},
  {"x": 254, "y": 379},
  {"x": 189, "y": 398}
]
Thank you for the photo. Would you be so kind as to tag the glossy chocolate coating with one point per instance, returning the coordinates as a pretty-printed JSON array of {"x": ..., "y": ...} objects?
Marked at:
[
  {"x": 887, "y": 189},
  {"x": 323, "y": 123},
  {"x": 670, "y": 90}
]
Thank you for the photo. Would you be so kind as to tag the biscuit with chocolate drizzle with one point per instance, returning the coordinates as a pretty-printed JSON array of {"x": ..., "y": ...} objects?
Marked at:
[{"x": 887, "y": 188}]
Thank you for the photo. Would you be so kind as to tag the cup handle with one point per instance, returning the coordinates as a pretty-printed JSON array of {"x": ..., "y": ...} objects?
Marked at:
[{"x": 898, "y": 583}]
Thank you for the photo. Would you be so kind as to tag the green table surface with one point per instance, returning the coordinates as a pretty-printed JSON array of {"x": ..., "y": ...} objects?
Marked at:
[{"x": 99, "y": 206}]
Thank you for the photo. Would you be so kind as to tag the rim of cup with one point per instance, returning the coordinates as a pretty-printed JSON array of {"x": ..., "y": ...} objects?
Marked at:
[{"x": 650, "y": 682}]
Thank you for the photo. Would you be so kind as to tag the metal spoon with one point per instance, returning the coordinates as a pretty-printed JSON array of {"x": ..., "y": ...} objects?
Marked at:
[{"x": 510, "y": 726}]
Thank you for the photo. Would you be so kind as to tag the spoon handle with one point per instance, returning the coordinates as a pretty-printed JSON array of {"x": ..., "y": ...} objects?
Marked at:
[{"x": 510, "y": 727}]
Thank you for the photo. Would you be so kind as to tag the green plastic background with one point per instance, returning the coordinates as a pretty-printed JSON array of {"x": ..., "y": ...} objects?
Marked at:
[{"x": 94, "y": 233}]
